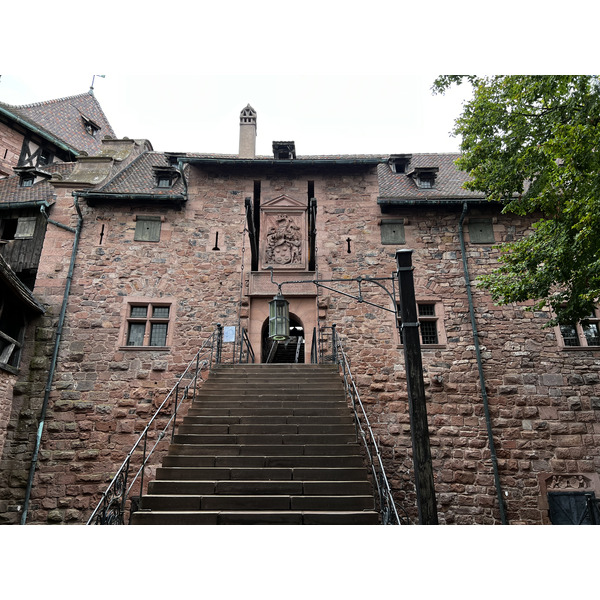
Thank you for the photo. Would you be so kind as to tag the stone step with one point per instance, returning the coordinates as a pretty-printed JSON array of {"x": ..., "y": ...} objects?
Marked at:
[
  {"x": 264, "y": 438},
  {"x": 294, "y": 473},
  {"x": 263, "y": 461},
  {"x": 278, "y": 368},
  {"x": 262, "y": 428},
  {"x": 264, "y": 444},
  {"x": 259, "y": 488},
  {"x": 340, "y": 419},
  {"x": 279, "y": 502},
  {"x": 255, "y": 518},
  {"x": 322, "y": 449},
  {"x": 226, "y": 396},
  {"x": 290, "y": 411}
]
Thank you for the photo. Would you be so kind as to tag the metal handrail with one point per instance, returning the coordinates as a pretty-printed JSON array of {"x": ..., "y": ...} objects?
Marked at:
[
  {"x": 299, "y": 343},
  {"x": 272, "y": 351},
  {"x": 314, "y": 352},
  {"x": 245, "y": 343},
  {"x": 387, "y": 506},
  {"x": 111, "y": 508}
]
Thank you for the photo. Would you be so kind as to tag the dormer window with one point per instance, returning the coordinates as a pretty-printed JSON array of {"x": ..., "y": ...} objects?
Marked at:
[
  {"x": 424, "y": 177},
  {"x": 26, "y": 180},
  {"x": 399, "y": 162},
  {"x": 90, "y": 127},
  {"x": 426, "y": 181},
  {"x": 164, "y": 177},
  {"x": 284, "y": 150}
]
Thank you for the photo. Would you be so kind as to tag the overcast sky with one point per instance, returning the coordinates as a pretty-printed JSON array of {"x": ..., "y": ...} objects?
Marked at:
[
  {"x": 324, "y": 113},
  {"x": 335, "y": 77}
]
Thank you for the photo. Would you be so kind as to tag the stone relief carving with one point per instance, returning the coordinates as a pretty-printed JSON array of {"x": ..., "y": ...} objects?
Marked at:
[
  {"x": 572, "y": 482},
  {"x": 284, "y": 241}
]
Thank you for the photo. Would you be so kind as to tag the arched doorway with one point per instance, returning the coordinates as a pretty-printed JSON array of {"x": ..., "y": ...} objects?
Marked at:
[{"x": 287, "y": 352}]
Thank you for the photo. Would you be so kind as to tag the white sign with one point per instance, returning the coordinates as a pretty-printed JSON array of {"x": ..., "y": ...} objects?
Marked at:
[{"x": 229, "y": 333}]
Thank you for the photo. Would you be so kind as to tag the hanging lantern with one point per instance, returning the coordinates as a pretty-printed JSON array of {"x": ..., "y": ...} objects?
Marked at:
[{"x": 279, "y": 318}]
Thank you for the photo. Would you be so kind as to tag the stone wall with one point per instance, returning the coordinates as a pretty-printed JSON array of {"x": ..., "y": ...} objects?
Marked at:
[
  {"x": 543, "y": 400},
  {"x": 7, "y": 382}
]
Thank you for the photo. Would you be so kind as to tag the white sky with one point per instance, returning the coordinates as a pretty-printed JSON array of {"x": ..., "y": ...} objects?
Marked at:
[
  {"x": 333, "y": 76},
  {"x": 324, "y": 113}
]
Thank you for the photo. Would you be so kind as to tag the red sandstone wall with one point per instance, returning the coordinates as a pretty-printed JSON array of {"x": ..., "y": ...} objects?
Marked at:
[
  {"x": 544, "y": 401},
  {"x": 10, "y": 149},
  {"x": 7, "y": 382}
]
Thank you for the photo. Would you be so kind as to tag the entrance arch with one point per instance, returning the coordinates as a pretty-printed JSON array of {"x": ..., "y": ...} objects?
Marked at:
[{"x": 286, "y": 353}]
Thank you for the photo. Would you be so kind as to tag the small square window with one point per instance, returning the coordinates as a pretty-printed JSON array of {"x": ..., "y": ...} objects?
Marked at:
[
  {"x": 139, "y": 311},
  {"x": 90, "y": 127},
  {"x": 164, "y": 182},
  {"x": 481, "y": 231},
  {"x": 147, "y": 229},
  {"x": 25, "y": 228},
  {"x": 392, "y": 232},
  {"x": 26, "y": 181},
  {"x": 426, "y": 181},
  {"x": 429, "y": 324}
]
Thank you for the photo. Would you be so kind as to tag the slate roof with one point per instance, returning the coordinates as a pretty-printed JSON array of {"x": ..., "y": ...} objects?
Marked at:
[
  {"x": 10, "y": 190},
  {"x": 448, "y": 183},
  {"x": 63, "y": 119},
  {"x": 139, "y": 177}
]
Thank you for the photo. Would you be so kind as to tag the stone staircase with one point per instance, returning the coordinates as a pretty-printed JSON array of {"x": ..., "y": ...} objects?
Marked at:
[{"x": 263, "y": 444}]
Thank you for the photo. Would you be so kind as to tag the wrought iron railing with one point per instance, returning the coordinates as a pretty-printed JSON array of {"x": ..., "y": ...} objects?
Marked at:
[
  {"x": 246, "y": 350},
  {"x": 119, "y": 496},
  {"x": 385, "y": 501}
]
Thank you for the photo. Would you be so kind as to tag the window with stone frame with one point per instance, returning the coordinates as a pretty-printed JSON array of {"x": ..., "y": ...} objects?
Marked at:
[
  {"x": 392, "y": 232},
  {"x": 148, "y": 324},
  {"x": 584, "y": 334},
  {"x": 147, "y": 228},
  {"x": 430, "y": 317},
  {"x": 481, "y": 231}
]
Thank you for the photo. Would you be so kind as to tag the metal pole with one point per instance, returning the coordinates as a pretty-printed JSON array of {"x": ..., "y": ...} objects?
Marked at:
[{"x": 426, "y": 502}]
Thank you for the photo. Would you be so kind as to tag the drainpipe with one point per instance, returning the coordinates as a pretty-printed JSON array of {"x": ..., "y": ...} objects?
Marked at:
[
  {"x": 484, "y": 396},
  {"x": 61, "y": 320}
]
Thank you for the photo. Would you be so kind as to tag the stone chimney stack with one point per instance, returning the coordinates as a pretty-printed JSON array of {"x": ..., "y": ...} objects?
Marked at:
[{"x": 247, "y": 133}]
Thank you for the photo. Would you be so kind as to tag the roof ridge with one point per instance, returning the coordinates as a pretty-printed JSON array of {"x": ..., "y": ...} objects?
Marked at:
[{"x": 52, "y": 101}]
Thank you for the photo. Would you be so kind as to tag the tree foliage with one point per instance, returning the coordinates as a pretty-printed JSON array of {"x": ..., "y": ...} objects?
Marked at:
[{"x": 533, "y": 144}]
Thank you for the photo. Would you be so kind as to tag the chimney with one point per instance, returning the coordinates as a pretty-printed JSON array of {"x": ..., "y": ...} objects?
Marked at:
[{"x": 247, "y": 133}]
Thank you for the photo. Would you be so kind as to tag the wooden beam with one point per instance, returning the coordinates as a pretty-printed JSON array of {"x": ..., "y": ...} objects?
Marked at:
[{"x": 426, "y": 502}]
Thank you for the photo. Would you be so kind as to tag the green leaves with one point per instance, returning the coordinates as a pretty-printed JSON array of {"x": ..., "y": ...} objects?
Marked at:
[{"x": 533, "y": 144}]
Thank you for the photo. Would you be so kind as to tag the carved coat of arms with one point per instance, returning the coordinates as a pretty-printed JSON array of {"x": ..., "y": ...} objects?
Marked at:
[{"x": 283, "y": 234}]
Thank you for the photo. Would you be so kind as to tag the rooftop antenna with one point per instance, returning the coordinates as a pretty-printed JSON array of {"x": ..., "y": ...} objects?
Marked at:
[{"x": 91, "y": 92}]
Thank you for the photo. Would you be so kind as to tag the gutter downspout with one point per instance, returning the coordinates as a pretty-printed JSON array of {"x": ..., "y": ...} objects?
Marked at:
[
  {"x": 484, "y": 396},
  {"x": 59, "y": 329}
]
